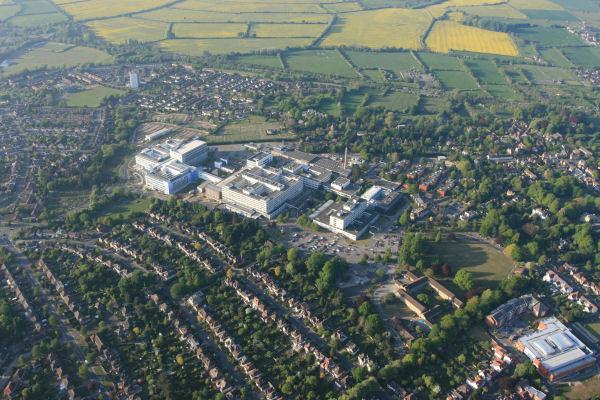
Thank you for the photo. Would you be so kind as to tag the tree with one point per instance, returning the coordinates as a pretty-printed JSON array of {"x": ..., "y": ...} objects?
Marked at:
[
  {"x": 438, "y": 237},
  {"x": 177, "y": 290},
  {"x": 366, "y": 308},
  {"x": 374, "y": 324},
  {"x": 380, "y": 273},
  {"x": 229, "y": 274},
  {"x": 179, "y": 359},
  {"x": 464, "y": 279},
  {"x": 359, "y": 374},
  {"x": 293, "y": 254},
  {"x": 83, "y": 372},
  {"x": 404, "y": 219},
  {"x": 446, "y": 270}
]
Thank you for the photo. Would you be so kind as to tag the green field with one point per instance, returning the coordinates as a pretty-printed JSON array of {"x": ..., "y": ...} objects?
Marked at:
[
  {"x": 585, "y": 57},
  {"x": 549, "y": 37},
  {"x": 38, "y": 7},
  {"x": 553, "y": 56},
  {"x": 396, "y": 62},
  {"x": 551, "y": 15},
  {"x": 578, "y": 5},
  {"x": 37, "y": 19},
  {"x": 326, "y": 62},
  {"x": 265, "y": 61},
  {"x": 373, "y": 75},
  {"x": 91, "y": 97},
  {"x": 330, "y": 107},
  {"x": 199, "y": 47},
  {"x": 8, "y": 11},
  {"x": 487, "y": 265},
  {"x": 540, "y": 73},
  {"x": 55, "y": 55},
  {"x": 503, "y": 92},
  {"x": 486, "y": 72},
  {"x": 253, "y": 128},
  {"x": 435, "y": 61},
  {"x": 398, "y": 101},
  {"x": 451, "y": 80}
]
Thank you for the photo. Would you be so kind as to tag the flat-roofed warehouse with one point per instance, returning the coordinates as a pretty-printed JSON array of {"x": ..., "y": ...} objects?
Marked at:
[{"x": 555, "y": 350}]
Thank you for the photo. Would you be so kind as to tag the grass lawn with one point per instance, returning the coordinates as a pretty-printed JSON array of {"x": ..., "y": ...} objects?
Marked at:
[
  {"x": 585, "y": 57},
  {"x": 583, "y": 390},
  {"x": 127, "y": 207},
  {"x": 397, "y": 309},
  {"x": 594, "y": 328},
  {"x": 539, "y": 73},
  {"x": 504, "y": 92},
  {"x": 91, "y": 97},
  {"x": 330, "y": 107},
  {"x": 250, "y": 129},
  {"x": 549, "y": 37},
  {"x": 487, "y": 265},
  {"x": 555, "y": 57}
]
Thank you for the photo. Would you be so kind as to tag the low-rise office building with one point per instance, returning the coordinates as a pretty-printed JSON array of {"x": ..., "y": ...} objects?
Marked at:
[
  {"x": 555, "y": 350},
  {"x": 348, "y": 218},
  {"x": 171, "y": 178}
]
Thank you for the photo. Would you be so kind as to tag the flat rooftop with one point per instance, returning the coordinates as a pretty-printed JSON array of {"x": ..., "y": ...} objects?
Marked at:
[{"x": 556, "y": 347}]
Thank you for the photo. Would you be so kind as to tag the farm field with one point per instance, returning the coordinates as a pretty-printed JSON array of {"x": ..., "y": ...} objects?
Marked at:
[
  {"x": 540, "y": 73},
  {"x": 486, "y": 72},
  {"x": 287, "y": 30},
  {"x": 487, "y": 265},
  {"x": 8, "y": 11},
  {"x": 93, "y": 9},
  {"x": 399, "y": 101},
  {"x": 578, "y": 5},
  {"x": 396, "y": 62},
  {"x": 374, "y": 24},
  {"x": 253, "y": 128},
  {"x": 119, "y": 30},
  {"x": 440, "y": 62},
  {"x": 399, "y": 28},
  {"x": 91, "y": 97},
  {"x": 326, "y": 62},
  {"x": 450, "y": 35},
  {"x": 209, "y": 30},
  {"x": 553, "y": 56},
  {"x": 373, "y": 75},
  {"x": 548, "y": 37},
  {"x": 451, "y": 80},
  {"x": 54, "y": 55},
  {"x": 499, "y": 10},
  {"x": 503, "y": 92},
  {"x": 265, "y": 61},
  {"x": 198, "y": 47},
  {"x": 27, "y": 21},
  {"x": 584, "y": 57}
]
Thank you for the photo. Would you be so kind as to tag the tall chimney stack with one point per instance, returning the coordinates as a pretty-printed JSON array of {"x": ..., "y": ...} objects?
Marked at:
[{"x": 346, "y": 158}]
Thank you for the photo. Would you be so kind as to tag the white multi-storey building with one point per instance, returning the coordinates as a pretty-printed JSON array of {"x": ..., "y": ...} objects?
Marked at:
[
  {"x": 260, "y": 191},
  {"x": 134, "y": 82},
  {"x": 191, "y": 153},
  {"x": 171, "y": 177}
]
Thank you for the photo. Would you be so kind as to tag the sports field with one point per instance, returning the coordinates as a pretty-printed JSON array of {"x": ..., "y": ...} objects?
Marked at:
[
  {"x": 487, "y": 265},
  {"x": 253, "y": 128},
  {"x": 91, "y": 97}
]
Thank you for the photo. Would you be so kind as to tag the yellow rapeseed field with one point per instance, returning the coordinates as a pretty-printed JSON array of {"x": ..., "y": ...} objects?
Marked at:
[
  {"x": 392, "y": 27},
  {"x": 91, "y": 9},
  {"x": 119, "y": 30},
  {"x": 450, "y": 35},
  {"x": 231, "y": 6},
  {"x": 209, "y": 30},
  {"x": 287, "y": 30}
]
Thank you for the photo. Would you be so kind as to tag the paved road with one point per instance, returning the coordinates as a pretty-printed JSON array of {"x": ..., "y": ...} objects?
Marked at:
[{"x": 387, "y": 288}]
